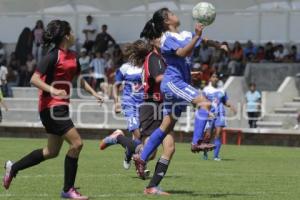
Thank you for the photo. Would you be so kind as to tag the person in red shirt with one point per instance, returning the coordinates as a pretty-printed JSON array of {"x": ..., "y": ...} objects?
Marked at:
[{"x": 53, "y": 78}]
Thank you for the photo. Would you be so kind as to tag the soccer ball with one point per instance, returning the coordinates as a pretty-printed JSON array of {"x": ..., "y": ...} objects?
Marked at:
[{"x": 204, "y": 13}]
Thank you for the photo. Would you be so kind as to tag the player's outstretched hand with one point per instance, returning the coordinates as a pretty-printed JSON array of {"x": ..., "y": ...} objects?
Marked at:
[{"x": 199, "y": 28}]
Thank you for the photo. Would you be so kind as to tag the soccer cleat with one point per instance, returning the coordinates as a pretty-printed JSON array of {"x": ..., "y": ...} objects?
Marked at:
[
  {"x": 126, "y": 164},
  {"x": 73, "y": 194},
  {"x": 155, "y": 191},
  {"x": 7, "y": 178},
  {"x": 195, "y": 148},
  {"x": 140, "y": 166},
  {"x": 217, "y": 159},
  {"x": 111, "y": 139}
]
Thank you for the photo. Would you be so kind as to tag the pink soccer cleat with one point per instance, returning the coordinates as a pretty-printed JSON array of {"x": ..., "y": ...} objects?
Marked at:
[
  {"x": 110, "y": 140},
  {"x": 140, "y": 166},
  {"x": 73, "y": 194},
  {"x": 155, "y": 191},
  {"x": 195, "y": 148},
  {"x": 7, "y": 176}
]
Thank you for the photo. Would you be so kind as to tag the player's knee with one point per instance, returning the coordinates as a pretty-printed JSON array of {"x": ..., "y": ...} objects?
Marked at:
[
  {"x": 49, "y": 153},
  {"x": 77, "y": 146}
]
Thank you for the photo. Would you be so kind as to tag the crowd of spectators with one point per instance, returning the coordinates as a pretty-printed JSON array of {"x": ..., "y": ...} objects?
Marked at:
[
  {"x": 100, "y": 56},
  {"x": 233, "y": 62}
]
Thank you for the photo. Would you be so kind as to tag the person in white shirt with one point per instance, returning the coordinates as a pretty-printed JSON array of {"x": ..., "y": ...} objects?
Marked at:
[
  {"x": 84, "y": 62},
  {"x": 253, "y": 99},
  {"x": 280, "y": 54},
  {"x": 98, "y": 65},
  {"x": 90, "y": 31}
]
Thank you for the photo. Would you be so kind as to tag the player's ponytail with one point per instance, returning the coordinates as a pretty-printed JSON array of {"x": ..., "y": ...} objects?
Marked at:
[
  {"x": 55, "y": 32},
  {"x": 155, "y": 26}
]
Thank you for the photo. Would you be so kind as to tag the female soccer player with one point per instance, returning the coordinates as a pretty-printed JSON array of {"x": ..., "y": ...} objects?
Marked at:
[
  {"x": 53, "y": 77},
  {"x": 177, "y": 49},
  {"x": 218, "y": 99},
  {"x": 131, "y": 74}
]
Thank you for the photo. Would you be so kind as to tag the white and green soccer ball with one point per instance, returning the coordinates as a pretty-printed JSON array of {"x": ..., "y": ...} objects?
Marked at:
[{"x": 204, "y": 13}]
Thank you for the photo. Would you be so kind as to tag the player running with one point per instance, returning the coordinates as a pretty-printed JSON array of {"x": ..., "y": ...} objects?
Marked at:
[
  {"x": 53, "y": 77},
  {"x": 218, "y": 98},
  {"x": 130, "y": 74}
]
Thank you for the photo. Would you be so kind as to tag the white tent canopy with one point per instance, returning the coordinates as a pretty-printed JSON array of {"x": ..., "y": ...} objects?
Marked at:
[{"x": 258, "y": 20}]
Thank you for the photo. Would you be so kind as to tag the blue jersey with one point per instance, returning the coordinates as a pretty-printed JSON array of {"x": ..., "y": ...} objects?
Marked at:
[
  {"x": 217, "y": 97},
  {"x": 177, "y": 66},
  {"x": 131, "y": 76}
]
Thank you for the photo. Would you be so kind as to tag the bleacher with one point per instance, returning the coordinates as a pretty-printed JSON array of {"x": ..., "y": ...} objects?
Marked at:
[{"x": 95, "y": 121}]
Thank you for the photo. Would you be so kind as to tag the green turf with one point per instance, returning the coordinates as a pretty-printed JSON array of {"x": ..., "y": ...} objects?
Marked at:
[{"x": 246, "y": 172}]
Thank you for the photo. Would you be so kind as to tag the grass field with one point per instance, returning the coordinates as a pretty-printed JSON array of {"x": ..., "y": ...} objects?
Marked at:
[{"x": 246, "y": 172}]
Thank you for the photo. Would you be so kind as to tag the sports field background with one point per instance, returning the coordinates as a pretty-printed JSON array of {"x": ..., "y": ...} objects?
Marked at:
[{"x": 246, "y": 172}]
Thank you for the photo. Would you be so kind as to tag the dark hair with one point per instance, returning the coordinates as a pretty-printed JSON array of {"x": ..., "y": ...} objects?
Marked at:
[
  {"x": 252, "y": 84},
  {"x": 155, "y": 26},
  {"x": 104, "y": 26},
  {"x": 55, "y": 32},
  {"x": 137, "y": 51},
  {"x": 39, "y": 22}
]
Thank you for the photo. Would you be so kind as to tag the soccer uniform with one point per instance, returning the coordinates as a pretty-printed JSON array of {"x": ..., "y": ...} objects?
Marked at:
[
  {"x": 175, "y": 85},
  {"x": 57, "y": 68},
  {"x": 151, "y": 114},
  {"x": 133, "y": 93},
  {"x": 218, "y": 98}
]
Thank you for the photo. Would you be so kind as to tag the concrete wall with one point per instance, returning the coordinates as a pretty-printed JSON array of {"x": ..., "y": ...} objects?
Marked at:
[
  {"x": 269, "y": 76},
  {"x": 236, "y": 88},
  {"x": 286, "y": 92}
]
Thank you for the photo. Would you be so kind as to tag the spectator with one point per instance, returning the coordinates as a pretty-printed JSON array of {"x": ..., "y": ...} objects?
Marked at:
[
  {"x": 2, "y": 104},
  {"x": 12, "y": 80},
  {"x": 197, "y": 76},
  {"x": 30, "y": 68},
  {"x": 110, "y": 73},
  {"x": 269, "y": 52},
  {"x": 98, "y": 66},
  {"x": 118, "y": 59},
  {"x": 13, "y": 62},
  {"x": 3, "y": 80},
  {"x": 293, "y": 56},
  {"x": 236, "y": 58},
  {"x": 84, "y": 62},
  {"x": 24, "y": 46},
  {"x": 280, "y": 55},
  {"x": 2, "y": 54},
  {"x": 103, "y": 39},
  {"x": 260, "y": 55},
  {"x": 89, "y": 31},
  {"x": 250, "y": 51},
  {"x": 205, "y": 54},
  {"x": 23, "y": 82},
  {"x": 253, "y": 100},
  {"x": 221, "y": 60},
  {"x": 38, "y": 40}
]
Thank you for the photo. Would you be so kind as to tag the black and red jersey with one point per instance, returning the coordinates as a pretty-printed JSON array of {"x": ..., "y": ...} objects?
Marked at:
[
  {"x": 154, "y": 66},
  {"x": 58, "y": 68}
]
